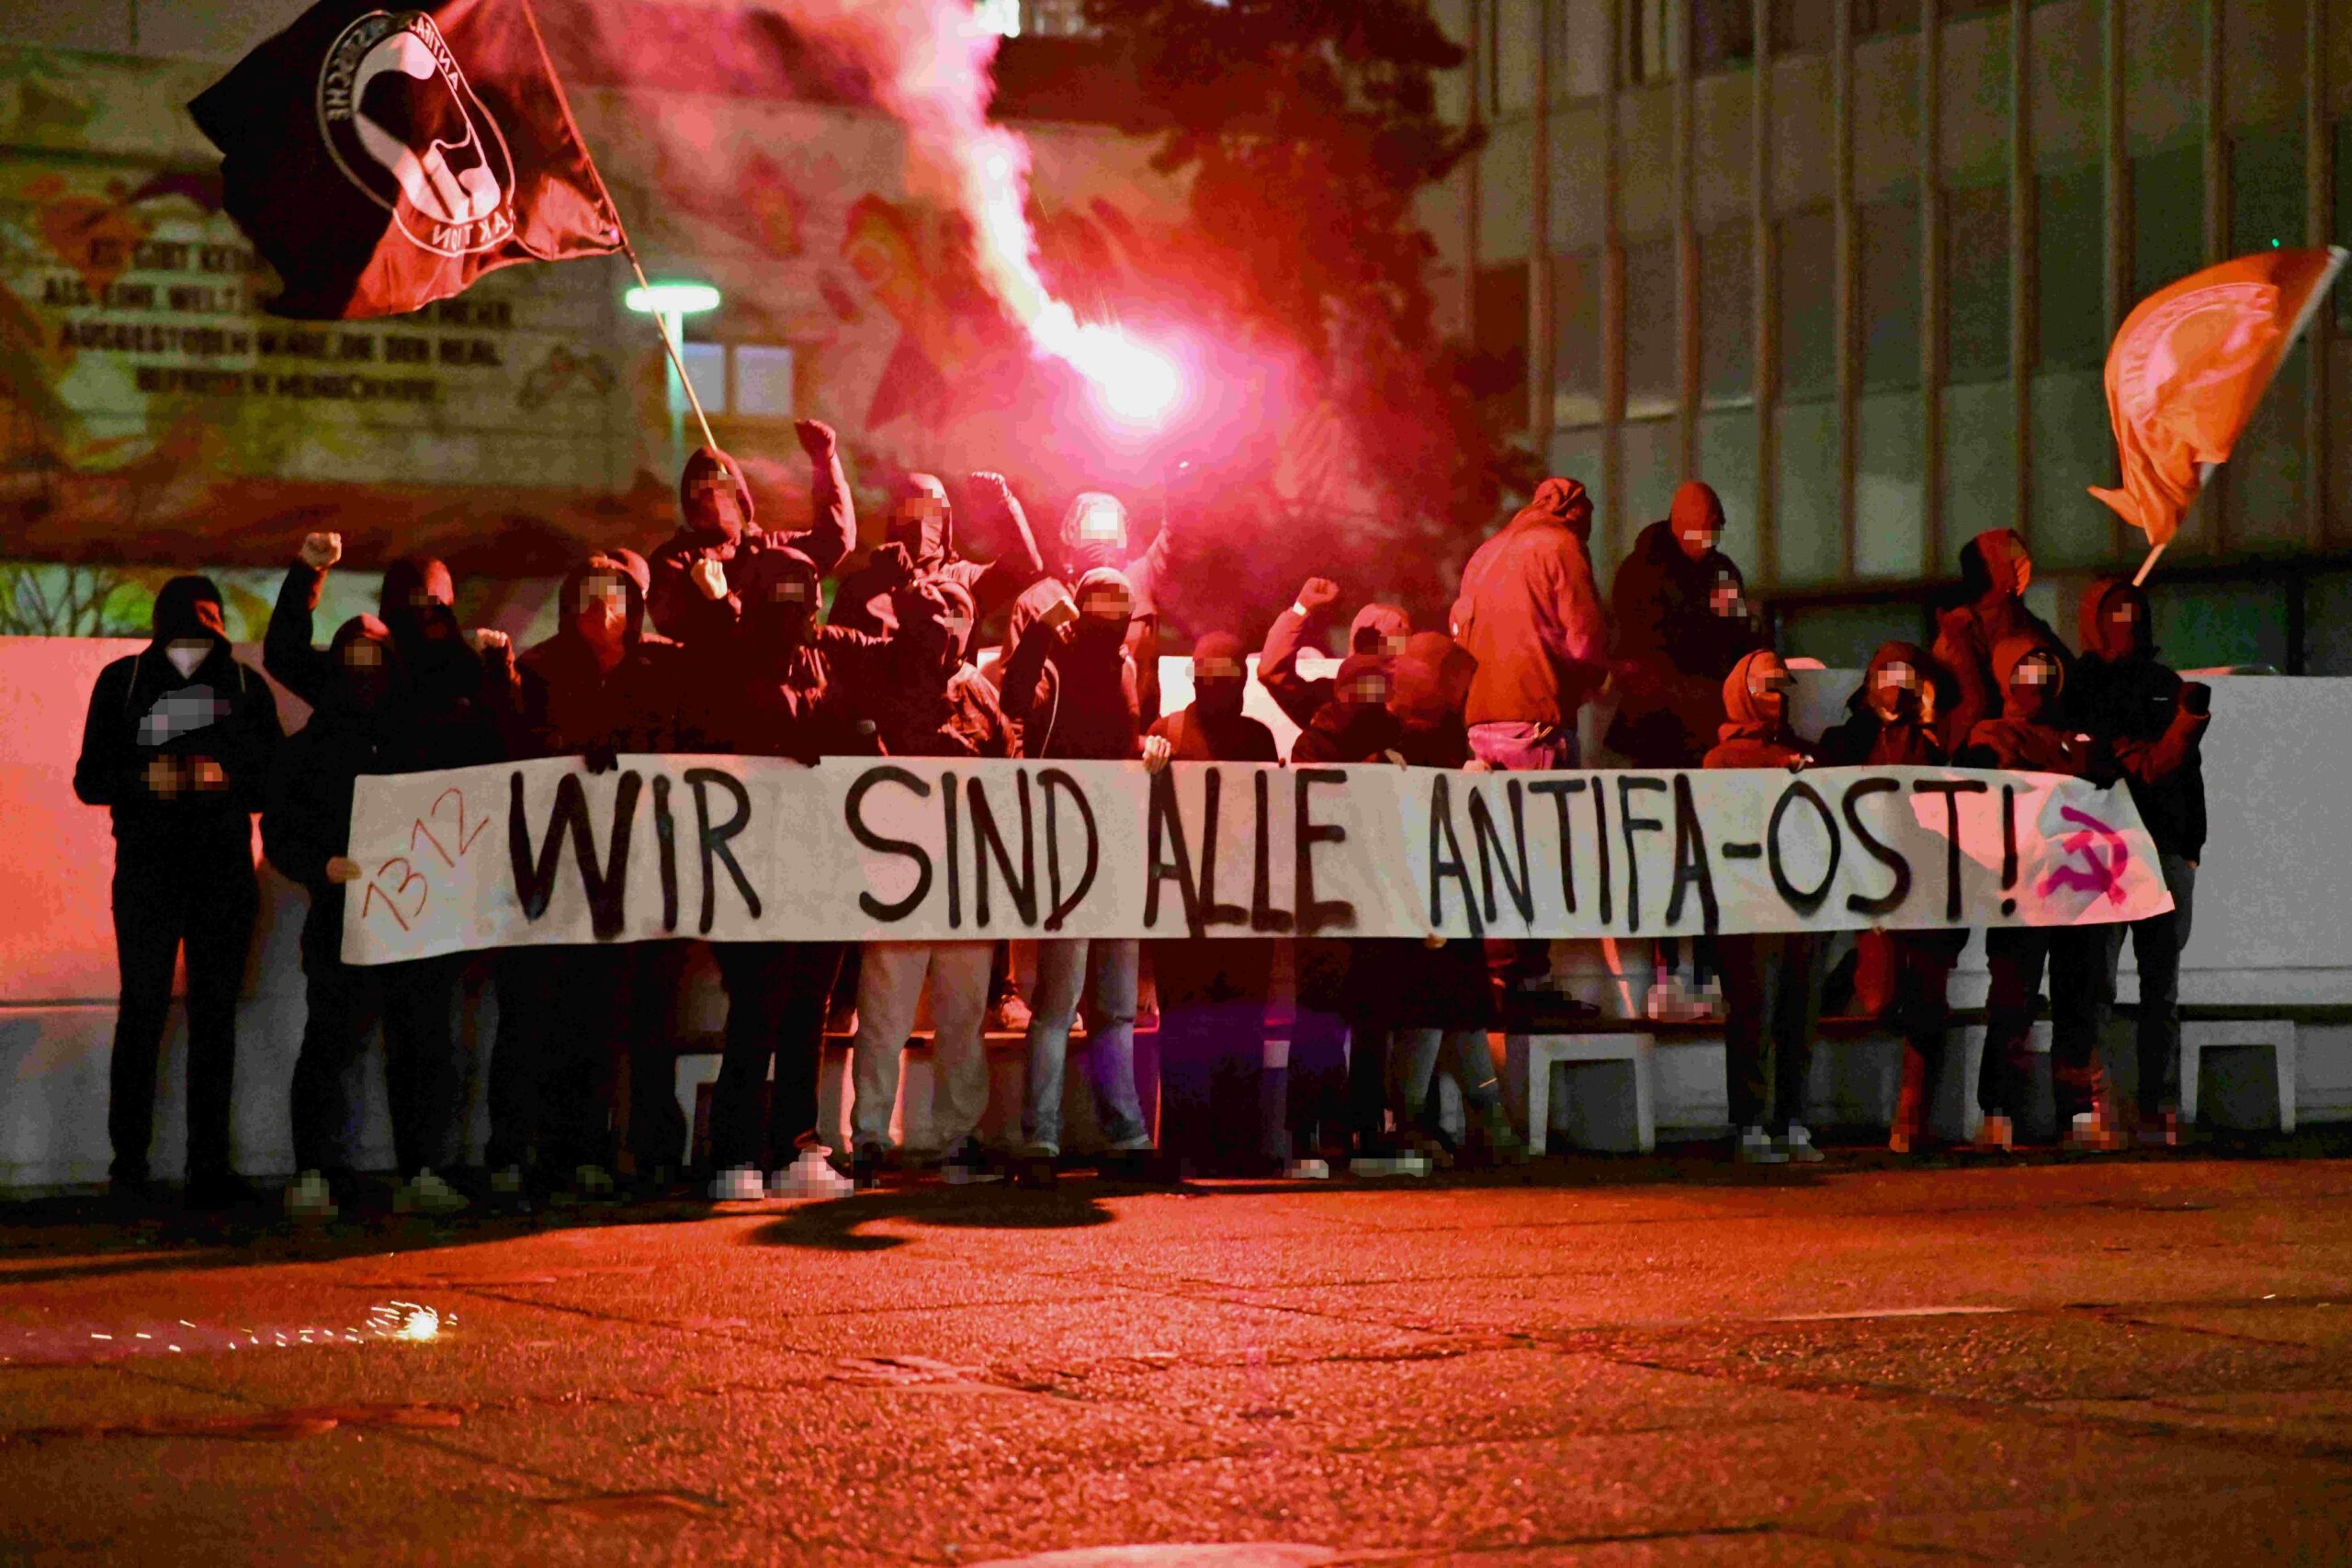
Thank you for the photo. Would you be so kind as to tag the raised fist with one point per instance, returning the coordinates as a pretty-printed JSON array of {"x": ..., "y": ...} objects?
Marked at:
[
  {"x": 342, "y": 868},
  {"x": 321, "y": 551},
  {"x": 709, "y": 578},
  {"x": 817, "y": 438},
  {"x": 993, "y": 485},
  {"x": 1316, "y": 594}
]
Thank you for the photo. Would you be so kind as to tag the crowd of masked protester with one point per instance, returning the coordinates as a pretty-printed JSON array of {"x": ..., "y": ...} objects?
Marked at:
[{"x": 720, "y": 641}]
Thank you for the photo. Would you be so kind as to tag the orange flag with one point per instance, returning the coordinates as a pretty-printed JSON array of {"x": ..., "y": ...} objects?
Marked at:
[{"x": 2189, "y": 368}]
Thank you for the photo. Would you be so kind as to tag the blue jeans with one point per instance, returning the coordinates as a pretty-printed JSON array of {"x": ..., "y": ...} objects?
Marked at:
[{"x": 1064, "y": 965}]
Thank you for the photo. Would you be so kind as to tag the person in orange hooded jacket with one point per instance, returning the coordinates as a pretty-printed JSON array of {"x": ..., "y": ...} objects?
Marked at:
[{"x": 1771, "y": 980}]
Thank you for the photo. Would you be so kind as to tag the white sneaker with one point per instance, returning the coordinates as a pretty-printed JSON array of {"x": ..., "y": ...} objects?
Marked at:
[
  {"x": 741, "y": 1184},
  {"x": 1308, "y": 1170},
  {"x": 426, "y": 1193},
  {"x": 507, "y": 1183},
  {"x": 811, "y": 1176},
  {"x": 310, "y": 1199},
  {"x": 1663, "y": 1004},
  {"x": 1798, "y": 1145},
  {"x": 2091, "y": 1134},
  {"x": 1140, "y": 1144},
  {"x": 592, "y": 1181},
  {"x": 1756, "y": 1147}
]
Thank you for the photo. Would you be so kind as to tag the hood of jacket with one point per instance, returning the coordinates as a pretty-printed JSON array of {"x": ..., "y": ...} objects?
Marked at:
[
  {"x": 2091, "y": 610},
  {"x": 1429, "y": 681},
  {"x": 1375, "y": 624},
  {"x": 1557, "y": 503},
  {"x": 1921, "y": 662},
  {"x": 2011, "y": 651},
  {"x": 1695, "y": 504},
  {"x": 1346, "y": 730},
  {"x": 1220, "y": 698},
  {"x": 180, "y": 614},
  {"x": 1743, "y": 720},
  {"x": 710, "y": 473},
  {"x": 780, "y": 588},
  {"x": 1989, "y": 561},
  {"x": 1097, "y": 631}
]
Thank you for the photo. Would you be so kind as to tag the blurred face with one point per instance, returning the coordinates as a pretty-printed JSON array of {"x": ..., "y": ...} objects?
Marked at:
[
  {"x": 1725, "y": 599},
  {"x": 2123, "y": 627},
  {"x": 366, "y": 675},
  {"x": 2032, "y": 685},
  {"x": 602, "y": 609},
  {"x": 1100, "y": 522},
  {"x": 1769, "y": 685},
  {"x": 1366, "y": 689},
  {"x": 1895, "y": 690},
  {"x": 920, "y": 516},
  {"x": 1103, "y": 611},
  {"x": 1697, "y": 538},
  {"x": 1218, "y": 685},
  {"x": 715, "y": 499}
]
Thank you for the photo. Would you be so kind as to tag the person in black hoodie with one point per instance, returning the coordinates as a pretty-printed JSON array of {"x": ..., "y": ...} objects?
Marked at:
[
  {"x": 919, "y": 547},
  {"x": 691, "y": 598},
  {"x": 177, "y": 746},
  {"x": 356, "y": 729},
  {"x": 1094, "y": 537},
  {"x": 928, "y": 701},
  {"x": 415, "y": 602},
  {"x": 1212, "y": 991},
  {"x": 778, "y": 685},
  {"x": 1891, "y": 722},
  {"x": 1070, "y": 690},
  {"x": 1378, "y": 630},
  {"x": 2154, "y": 723},
  {"x": 2032, "y": 735},
  {"x": 569, "y": 1016}
]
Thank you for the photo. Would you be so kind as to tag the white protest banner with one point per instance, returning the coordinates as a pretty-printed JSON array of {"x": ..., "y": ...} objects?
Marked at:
[{"x": 738, "y": 849}]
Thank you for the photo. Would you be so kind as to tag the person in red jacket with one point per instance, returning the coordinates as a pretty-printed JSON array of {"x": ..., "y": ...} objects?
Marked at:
[
  {"x": 1531, "y": 615},
  {"x": 599, "y": 686},
  {"x": 2154, "y": 724},
  {"x": 1771, "y": 980},
  {"x": 1995, "y": 571},
  {"x": 2030, "y": 736},
  {"x": 1891, "y": 722},
  {"x": 1213, "y": 991}
]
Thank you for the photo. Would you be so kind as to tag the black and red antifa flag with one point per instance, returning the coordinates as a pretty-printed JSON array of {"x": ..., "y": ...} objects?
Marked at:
[{"x": 384, "y": 159}]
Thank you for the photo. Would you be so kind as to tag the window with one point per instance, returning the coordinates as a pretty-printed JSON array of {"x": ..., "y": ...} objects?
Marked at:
[
  {"x": 1517, "y": 53},
  {"x": 1976, "y": 270},
  {"x": 1652, "y": 368},
  {"x": 1054, "y": 18},
  {"x": 1889, "y": 294},
  {"x": 2168, "y": 217},
  {"x": 2070, "y": 247},
  {"x": 1726, "y": 316},
  {"x": 1576, "y": 327},
  {"x": 1501, "y": 333},
  {"x": 1723, "y": 33},
  {"x": 746, "y": 380},
  {"x": 1807, "y": 266},
  {"x": 1653, "y": 40},
  {"x": 2267, "y": 207},
  {"x": 1584, "y": 49},
  {"x": 1801, "y": 26},
  {"x": 1873, "y": 17}
]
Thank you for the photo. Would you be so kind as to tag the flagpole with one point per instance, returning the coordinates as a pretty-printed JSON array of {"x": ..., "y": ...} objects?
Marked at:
[
  {"x": 604, "y": 192},
  {"x": 661, "y": 324}
]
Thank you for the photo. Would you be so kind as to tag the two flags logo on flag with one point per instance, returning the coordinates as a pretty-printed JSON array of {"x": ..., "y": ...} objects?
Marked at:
[
  {"x": 2189, "y": 368},
  {"x": 384, "y": 159}
]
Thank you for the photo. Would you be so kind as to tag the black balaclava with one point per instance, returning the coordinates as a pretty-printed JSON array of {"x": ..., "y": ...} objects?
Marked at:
[
  {"x": 1220, "y": 676},
  {"x": 187, "y": 608},
  {"x": 927, "y": 645},
  {"x": 713, "y": 497},
  {"x": 361, "y": 652},
  {"x": 1106, "y": 605},
  {"x": 922, "y": 520},
  {"x": 780, "y": 598}
]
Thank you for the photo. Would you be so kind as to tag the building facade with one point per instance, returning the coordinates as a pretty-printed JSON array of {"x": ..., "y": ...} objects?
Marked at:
[{"x": 1857, "y": 262}]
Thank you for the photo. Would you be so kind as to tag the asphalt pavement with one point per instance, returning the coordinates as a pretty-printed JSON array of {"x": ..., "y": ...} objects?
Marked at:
[{"x": 1617, "y": 1362}]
